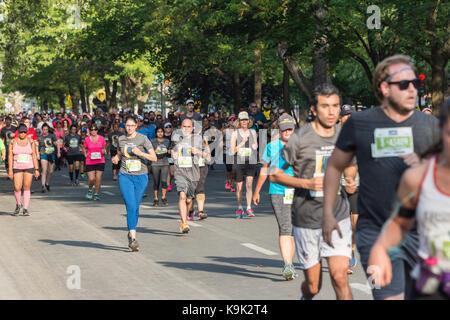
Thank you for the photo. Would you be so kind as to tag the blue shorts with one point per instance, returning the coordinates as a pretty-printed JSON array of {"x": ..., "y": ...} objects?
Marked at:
[{"x": 48, "y": 157}]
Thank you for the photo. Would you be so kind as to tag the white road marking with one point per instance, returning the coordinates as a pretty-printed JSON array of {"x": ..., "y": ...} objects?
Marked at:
[
  {"x": 259, "y": 249},
  {"x": 362, "y": 287},
  {"x": 108, "y": 193},
  {"x": 65, "y": 175}
]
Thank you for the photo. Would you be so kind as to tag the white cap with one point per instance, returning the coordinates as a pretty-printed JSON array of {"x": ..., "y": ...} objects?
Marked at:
[{"x": 243, "y": 115}]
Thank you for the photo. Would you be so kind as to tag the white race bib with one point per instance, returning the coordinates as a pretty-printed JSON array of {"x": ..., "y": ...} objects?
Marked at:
[
  {"x": 201, "y": 162},
  {"x": 162, "y": 150},
  {"x": 288, "y": 195},
  {"x": 185, "y": 162},
  {"x": 60, "y": 141},
  {"x": 23, "y": 158},
  {"x": 73, "y": 143},
  {"x": 244, "y": 152},
  {"x": 392, "y": 142},
  {"x": 170, "y": 160},
  {"x": 49, "y": 150},
  {"x": 317, "y": 194},
  {"x": 96, "y": 156},
  {"x": 133, "y": 165}
]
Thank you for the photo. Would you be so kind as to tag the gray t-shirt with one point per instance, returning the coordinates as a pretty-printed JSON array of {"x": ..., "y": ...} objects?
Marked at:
[
  {"x": 73, "y": 143},
  {"x": 132, "y": 164},
  {"x": 162, "y": 151},
  {"x": 308, "y": 153},
  {"x": 186, "y": 163},
  {"x": 47, "y": 144}
]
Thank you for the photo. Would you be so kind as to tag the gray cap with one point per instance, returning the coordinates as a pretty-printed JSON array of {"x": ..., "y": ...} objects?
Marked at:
[
  {"x": 346, "y": 109},
  {"x": 285, "y": 122},
  {"x": 190, "y": 101}
]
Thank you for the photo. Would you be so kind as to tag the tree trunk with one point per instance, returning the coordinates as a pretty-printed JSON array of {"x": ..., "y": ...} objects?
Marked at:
[
  {"x": 108, "y": 94},
  {"x": 258, "y": 76},
  {"x": 75, "y": 100},
  {"x": 320, "y": 50},
  {"x": 113, "y": 102},
  {"x": 61, "y": 101},
  {"x": 83, "y": 98},
  {"x": 237, "y": 92},
  {"x": 286, "y": 95},
  {"x": 125, "y": 93}
]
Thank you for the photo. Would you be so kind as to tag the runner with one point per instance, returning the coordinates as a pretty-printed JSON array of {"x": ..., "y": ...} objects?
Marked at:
[
  {"x": 113, "y": 143},
  {"x": 307, "y": 151},
  {"x": 226, "y": 133},
  {"x": 244, "y": 146},
  {"x": 94, "y": 151},
  {"x": 133, "y": 175},
  {"x": 7, "y": 134},
  {"x": 351, "y": 190},
  {"x": 74, "y": 156},
  {"x": 168, "y": 135},
  {"x": 400, "y": 133},
  {"x": 59, "y": 133},
  {"x": 160, "y": 168},
  {"x": 22, "y": 166},
  {"x": 280, "y": 196},
  {"x": 200, "y": 197},
  {"x": 47, "y": 146},
  {"x": 423, "y": 194},
  {"x": 186, "y": 153}
]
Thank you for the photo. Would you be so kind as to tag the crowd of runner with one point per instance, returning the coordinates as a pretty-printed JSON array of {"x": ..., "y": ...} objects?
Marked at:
[{"x": 341, "y": 182}]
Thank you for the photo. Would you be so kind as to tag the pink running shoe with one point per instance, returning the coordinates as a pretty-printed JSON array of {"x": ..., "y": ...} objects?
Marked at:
[
  {"x": 250, "y": 213},
  {"x": 227, "y": 186},
  {"x": 239, "y": 214},
  {"x": 190, "y": 215},
  {"x": 169, "y": 188}
]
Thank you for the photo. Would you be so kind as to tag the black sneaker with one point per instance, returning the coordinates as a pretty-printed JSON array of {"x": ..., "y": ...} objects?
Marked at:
[
  {"x": 164, "y": 202},
  {"x": 26, "y": 213},
  {"x": 17, "y": 211},
  {"x": 156, "y": 203},
  {"x": 48, "y": 187},
  {"x": 43, "y": 189}
]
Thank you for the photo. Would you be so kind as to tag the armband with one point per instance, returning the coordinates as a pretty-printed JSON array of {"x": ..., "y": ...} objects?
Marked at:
[{"x": 403, "y": 212}]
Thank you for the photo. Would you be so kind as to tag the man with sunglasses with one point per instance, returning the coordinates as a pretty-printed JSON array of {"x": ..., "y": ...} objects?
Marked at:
[{"x": 386, "y": 140}]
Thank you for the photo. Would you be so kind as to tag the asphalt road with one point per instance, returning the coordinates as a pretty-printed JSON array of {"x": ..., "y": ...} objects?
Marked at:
[{"x": 72, "y": 248}]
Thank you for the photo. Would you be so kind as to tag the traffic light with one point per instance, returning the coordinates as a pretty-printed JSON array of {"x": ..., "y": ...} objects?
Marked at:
[{"x": 421, "y": 90}]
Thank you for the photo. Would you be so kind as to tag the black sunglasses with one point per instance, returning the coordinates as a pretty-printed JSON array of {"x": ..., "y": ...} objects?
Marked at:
[
  {"x": 404, "y": 84},
  {"x": 94, "y": 129}
]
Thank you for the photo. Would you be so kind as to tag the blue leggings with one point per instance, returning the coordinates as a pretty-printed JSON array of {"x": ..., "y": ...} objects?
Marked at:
[{"x": 132, "y": 189}]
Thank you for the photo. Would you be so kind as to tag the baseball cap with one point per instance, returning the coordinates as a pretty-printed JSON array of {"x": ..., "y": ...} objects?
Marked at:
[
  {"x": 427, "y": 109},
  {"x": 189, "y": 101},
  {"x": 141, "y": 118},
  {"x": 23, "y": 128},
  {"x": 146, "y": 120},
  {"x": 232, "y": 117},
  {"x": 167, "y": 124},
  {"x": 286, "y": 122},
  {"x": 243, "y": 115},
  {"x": 346, "y": 109}
]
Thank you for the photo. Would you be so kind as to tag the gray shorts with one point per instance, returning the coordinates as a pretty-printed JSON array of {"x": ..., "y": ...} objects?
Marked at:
[
  {"x": 283, "y": 213},
  {"x": 186, "y": 186}
]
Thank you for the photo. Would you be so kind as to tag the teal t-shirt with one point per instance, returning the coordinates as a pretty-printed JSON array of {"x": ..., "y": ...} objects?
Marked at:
[{"x": 272, "y": 155}]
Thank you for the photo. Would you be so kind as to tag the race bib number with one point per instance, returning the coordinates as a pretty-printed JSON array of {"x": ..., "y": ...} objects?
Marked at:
[
  {"x": 244, "y": 152},
  {"x": 201, "y": 162},
  {"x": 49, "y": 150},
  {"x": 133, "y": 165},
  {"x": 23, "y": 158},
  {"x": 288, "y": 196},
  {"x": 392, "y": 142},
  {"x": 170, "y": 160},
  {"x": 60, "y": 141},
  {"x": 185, "y": 162},
  {"x": 96, "y": 156},
  {"x": 314, "y": 193}
]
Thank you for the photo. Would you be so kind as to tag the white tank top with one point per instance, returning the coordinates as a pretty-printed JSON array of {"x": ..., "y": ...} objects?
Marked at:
[{"x": 433, "y": 219}]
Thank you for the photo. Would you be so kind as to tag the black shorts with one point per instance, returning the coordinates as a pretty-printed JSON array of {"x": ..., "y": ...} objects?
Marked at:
[
  {"x": 73, "y": 158},
  {"x": 95, "y": 167},
  {"x": 243, "y": 170},
  {"x": 30, "y": 170}
]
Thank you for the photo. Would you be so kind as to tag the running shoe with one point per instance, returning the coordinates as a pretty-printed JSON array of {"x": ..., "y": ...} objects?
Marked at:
[
  {"x": 169, "y": 188},
  {"x": 164, "y": 202},
  {"x": 190, "y": 215},
  {"x": 48, "y": 187},
  {"x": 17, "y": 211},
  {"x": 239, "y": 214},
  {"x": 349, "y": 270},
  {"x": 232, "y": 189},
  {"x": 26, "y": 213},
  {"x": 133, "y": 245},
  {"x": 72, "y": 183},
  {"x": 202, "y": 215},
  {"x": 227, "y": 186},
  {"x": 43, "y": 189},
  {"x": 250, "y": 213},
  {"x": 77, "y": 183},
  {"x": 83, "y": 175},
  {"x": 184, "y": 228},
  {"x": 156, "y": 203},
  {"x": 89, "y": 194},
  {"x": 96, "y": 197}
]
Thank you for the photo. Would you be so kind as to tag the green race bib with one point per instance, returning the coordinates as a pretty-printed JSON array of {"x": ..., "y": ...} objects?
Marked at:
[
  {"x": 96, "y": 156},
  {"x": 23, "y": 158},
  {"x": 133, "y": 165}
]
